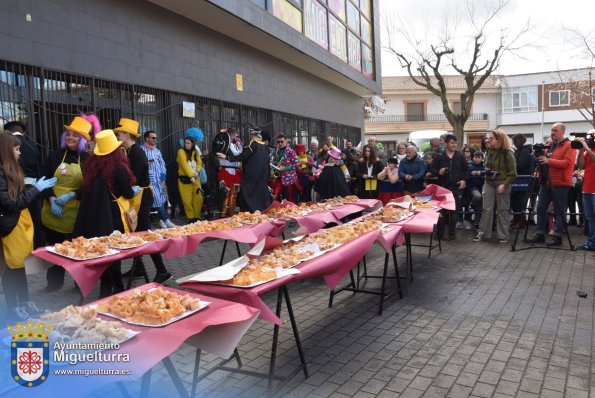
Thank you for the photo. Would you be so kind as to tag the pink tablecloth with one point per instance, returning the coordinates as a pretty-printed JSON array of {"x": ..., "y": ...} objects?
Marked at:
[
  {"x": 332, "y": 266},
  {"x": 314, "y": 221},
  {"x": 86, "y": 273},
  {"x": 226, "y": 319}
]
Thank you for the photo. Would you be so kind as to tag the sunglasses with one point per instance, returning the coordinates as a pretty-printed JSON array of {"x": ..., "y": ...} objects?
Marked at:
[{"x": 280, "y": 142}]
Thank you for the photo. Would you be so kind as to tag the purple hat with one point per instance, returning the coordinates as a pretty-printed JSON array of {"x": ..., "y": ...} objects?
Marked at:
[{"x": 335, "y": 153}]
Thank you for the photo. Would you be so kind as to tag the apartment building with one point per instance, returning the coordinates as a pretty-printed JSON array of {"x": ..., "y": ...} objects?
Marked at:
[{"x": 525, "y": 103}]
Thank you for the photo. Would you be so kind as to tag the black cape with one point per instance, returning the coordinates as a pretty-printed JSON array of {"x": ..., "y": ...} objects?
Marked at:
[
  {"x": 254, "y": 189},
  {"x": 331, "y": 183}
]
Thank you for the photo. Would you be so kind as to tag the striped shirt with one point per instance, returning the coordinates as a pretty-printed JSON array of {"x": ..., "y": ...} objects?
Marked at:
[{"x": 156, "y": 169}]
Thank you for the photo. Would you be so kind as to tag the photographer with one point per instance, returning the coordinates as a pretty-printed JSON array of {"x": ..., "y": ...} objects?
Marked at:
[
  {"x": 556, "y": 168},
  {"x": 499, "y": 175},
  {"x": 586, "y": 161}
]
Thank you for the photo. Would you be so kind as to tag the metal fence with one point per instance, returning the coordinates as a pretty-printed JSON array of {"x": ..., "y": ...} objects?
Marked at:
[{"x": 46, "y": 100}]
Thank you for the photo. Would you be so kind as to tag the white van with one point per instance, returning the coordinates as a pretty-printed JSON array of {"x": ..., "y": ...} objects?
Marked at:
[{"x": 421, "y": 138}]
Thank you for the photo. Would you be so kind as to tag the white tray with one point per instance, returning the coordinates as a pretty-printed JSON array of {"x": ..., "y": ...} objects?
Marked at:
[
  {"x": 202, "y": 305},
  {"x": 111, "y": 252},
  {"x": 280, "y": 274}
]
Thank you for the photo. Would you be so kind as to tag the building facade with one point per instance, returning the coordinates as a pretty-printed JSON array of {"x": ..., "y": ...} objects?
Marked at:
[
  {"x": 527, "y": 104},
  {"x": 299, "y": 67},
  {"x": 410, "y": 107},
  {"x": 530, "y": 103}
]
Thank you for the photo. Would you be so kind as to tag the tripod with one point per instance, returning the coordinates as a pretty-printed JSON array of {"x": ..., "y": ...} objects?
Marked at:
[{"x": 558, "y": 208}]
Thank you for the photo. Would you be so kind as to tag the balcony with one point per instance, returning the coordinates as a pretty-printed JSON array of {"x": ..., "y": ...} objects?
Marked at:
[{"x": 387, "y": 124}]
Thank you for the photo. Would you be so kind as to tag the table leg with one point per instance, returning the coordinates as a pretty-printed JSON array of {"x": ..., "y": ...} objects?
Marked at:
[
  {"x": 223, "y": 252},
  {"x": 238, "y": 249},
  {"x": 145, "y": 383},
  {"x": 175, "y": 377},
  {"x": 274, "y": 345},
  {"x": 123, "y": 389},
  {"x": 296, "y": 334},
  {"x": 394, "y": 252},
  {"x": 195, "y": 373}
]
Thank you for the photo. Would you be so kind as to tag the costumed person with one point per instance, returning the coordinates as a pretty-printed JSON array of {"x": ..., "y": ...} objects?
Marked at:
[
  {"x": 390, "y": 188},
  {"x": 189, "y": 165},
  {"x": 106, "y": 177},
  {"x": 61, "y": 203},
  {"x": 157, "y": 177},
  {"x": 367, "y": 172},
  {"x": 304, "y": 171},
  {"x": 229, "y": 174},
  {"x": 16, "y": 228},
  {"x": 286, "y": 162},
  {"x": 254, "y": 191},
  {"x": 30, "y": 161},
  {"x": 127, "y": 132},
  {"x": 332, "y": 177}
]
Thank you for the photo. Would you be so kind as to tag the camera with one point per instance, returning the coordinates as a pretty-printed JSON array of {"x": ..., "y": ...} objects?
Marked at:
[
  {"x": 489, "y": 173},
  {"x": 538, "y": 149},
  {"x": 578, "y": 145}
]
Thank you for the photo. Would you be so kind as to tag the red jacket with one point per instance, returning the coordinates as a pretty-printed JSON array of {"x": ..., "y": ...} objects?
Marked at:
[{"x": 561, "y": 164}]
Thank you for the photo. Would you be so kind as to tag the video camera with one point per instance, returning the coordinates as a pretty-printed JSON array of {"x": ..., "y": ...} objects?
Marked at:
[
  {"x": 538, "y": 149},
  {"x": 489, "y": 173},
  {"x": 575, "y": 144}
]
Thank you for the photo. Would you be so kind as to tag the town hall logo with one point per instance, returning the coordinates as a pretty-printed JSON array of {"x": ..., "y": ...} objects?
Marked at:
[{"x": 30, "y": 353}]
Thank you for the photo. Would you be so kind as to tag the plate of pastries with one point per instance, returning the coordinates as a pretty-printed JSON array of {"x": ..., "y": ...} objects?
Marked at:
[
  {"x": 81, "y": 248},
  {"x": 154, "y": 307}
]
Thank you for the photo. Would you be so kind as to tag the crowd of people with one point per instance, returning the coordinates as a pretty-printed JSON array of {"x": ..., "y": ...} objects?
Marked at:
[{"x": 88, "y": 185}]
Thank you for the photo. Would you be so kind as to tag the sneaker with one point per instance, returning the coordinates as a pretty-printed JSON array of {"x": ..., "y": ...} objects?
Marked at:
[
  {"x": 169, "y": 223},
  {"x": 478, "y": 238},
  {"x": 162, "y": 278},
  {"x": 503, "y": 240},
  {"x": 536, "y": 238},
  {"x": 162, "y": 225},
  {"x": 586, "y": 247},
  {"x": 17, "y": 314},
  {"x": 468, "y": 225},
  {"x": 459, "y": 225},
  {"x": 32, "y": 309}
]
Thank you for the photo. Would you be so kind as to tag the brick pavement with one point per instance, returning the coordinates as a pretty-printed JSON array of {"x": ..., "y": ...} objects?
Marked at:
[{"x": 478, "y": 320}]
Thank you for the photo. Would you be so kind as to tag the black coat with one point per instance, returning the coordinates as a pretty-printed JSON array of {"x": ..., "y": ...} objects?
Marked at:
[
  {"x": 457, "y": 169},
  {"x": 254, "y": 189},
  {"x": 524, "y": 161},
  {"x": 331, "y": 183},
  {"x": 99, "y": 214},
  {"x": 362, "y": 168},
  {"x": 10, "y": 209},
  {"x": 139, "y": 164}
]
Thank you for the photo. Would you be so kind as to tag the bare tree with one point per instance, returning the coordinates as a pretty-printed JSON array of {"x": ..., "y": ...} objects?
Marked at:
[
  {"x": 426, "y": 66},
  {"x": 582, "y": 86}
]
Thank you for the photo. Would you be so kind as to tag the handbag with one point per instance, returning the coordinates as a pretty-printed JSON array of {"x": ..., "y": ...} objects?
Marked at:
[{"x": 185, "y": 179}]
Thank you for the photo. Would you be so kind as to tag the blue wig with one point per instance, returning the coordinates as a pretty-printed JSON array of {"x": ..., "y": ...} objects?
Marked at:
[{"x": 195, "y": 133}]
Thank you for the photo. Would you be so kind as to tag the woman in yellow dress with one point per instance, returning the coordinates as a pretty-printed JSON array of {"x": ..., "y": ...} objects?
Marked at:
[
  {"x": 189, "y": 165},
  {"x": 16, "y": 228}
]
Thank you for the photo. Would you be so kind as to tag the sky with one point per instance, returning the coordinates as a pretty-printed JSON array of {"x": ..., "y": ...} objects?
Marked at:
[{"x": 549, "y": 44}]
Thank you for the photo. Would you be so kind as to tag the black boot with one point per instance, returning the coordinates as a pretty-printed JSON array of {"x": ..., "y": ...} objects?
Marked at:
[
  {"x": 556, "y": 241},
  {"x": 536, "y": 238}
]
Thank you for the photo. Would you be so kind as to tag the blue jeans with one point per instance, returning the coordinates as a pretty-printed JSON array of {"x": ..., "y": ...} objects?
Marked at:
[
  {"x": 162, "y": 212},
  {"x": 559, "y": 198},
  {"x": 589, "y": 206}
]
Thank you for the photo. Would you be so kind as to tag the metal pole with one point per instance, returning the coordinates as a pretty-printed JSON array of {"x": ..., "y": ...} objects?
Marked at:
[{"x": 542, "y": 106}]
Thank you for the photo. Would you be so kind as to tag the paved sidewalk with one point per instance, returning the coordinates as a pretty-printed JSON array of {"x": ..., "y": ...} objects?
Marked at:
[{"x": 478, "y": 320}]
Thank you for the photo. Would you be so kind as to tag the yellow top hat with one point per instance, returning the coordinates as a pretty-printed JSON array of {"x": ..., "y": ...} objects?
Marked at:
[
  {"x": 106, "y": 142},
  {"x": 80, "y": 126},
  {"x": 128, "y": 126}
]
